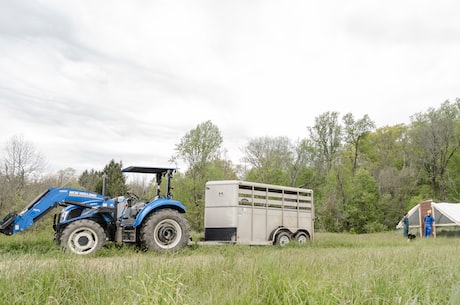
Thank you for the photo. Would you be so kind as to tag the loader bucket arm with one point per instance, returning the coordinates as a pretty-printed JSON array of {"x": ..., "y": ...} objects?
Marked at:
[
  {"x": 42, "y": 204},
  {"x": 7, "y": 224}
]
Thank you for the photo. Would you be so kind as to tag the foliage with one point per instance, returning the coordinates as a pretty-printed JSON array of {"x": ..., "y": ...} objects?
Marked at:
[
  {"x": 199, "y": 146},
  {"x": 20, "y": 163},
  {"x": 21, "y": 160},
  {"x": 200, "y": 149},
  {"x": 90, "y": 180},
  {"x": 66, "y": 178},
  {"x": 361, "y": 205},
  {"x": 326, "y": 136},
  {"x": 364, "y": 178},
  {"x": 270, "y": 159},
  {"x": 330, "y": 200},
  {"x": 436, "y": 138},
  {"x": 401, "y": 160},
  {"x": 354, "y": 132},
  {"x": 388, "y": 147},
  {"x": 116, "y": 182},
  {"x": 192, "y": 191}
]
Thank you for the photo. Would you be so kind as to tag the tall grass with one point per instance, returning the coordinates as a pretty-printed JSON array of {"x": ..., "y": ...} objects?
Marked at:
[{"x": 334, "y": 269}]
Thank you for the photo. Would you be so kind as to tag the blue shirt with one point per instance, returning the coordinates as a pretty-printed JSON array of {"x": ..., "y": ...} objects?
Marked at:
[{"x": 428, "y": 220}]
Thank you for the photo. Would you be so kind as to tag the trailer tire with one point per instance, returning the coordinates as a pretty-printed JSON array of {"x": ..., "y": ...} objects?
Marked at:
[
  {"x": 165, "y": 230},
  {"x": 83, "y": 237},
  {"x": 282, "y": 238},
  {"x": 302, "y": 238}
]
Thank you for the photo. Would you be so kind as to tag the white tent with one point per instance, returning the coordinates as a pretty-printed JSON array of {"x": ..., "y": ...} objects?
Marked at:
[{"x": 445, "y": 214}]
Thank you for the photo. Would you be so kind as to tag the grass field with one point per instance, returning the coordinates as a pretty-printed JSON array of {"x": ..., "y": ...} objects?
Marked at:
[{"x": 334, "y": 269}]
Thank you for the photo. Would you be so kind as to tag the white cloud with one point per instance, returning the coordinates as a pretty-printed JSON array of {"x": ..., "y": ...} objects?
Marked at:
[{"x": 91, "y": 81}]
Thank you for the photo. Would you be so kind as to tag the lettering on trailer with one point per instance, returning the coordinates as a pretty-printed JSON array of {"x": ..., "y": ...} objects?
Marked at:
[{"x": 82, "y": 194}]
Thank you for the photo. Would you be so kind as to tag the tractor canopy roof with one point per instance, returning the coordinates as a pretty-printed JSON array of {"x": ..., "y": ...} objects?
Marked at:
[{"x": 148, "y": 170}]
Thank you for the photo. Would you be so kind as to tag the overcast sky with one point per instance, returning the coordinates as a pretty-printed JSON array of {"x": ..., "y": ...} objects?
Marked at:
[{"x": 90, "y": 81}]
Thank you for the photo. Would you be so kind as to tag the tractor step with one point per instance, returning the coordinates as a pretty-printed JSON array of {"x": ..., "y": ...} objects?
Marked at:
[{"x": 129, "y": 234}]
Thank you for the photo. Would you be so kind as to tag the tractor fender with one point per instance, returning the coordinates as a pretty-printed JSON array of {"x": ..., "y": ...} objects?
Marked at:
[{"x": 158, "y": 204}]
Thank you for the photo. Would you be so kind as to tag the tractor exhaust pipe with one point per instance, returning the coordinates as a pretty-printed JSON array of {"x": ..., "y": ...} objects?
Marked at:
[{"x": 104, "y": 184}]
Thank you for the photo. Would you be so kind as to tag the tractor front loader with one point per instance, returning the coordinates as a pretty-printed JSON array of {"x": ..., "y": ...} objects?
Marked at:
[{"x": 88, "y": 220}]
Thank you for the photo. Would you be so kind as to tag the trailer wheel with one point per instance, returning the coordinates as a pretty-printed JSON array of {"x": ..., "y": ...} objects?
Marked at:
[
  {"x": 165, "y": 230},
  {"x": 282, "y": 238},
  {"x": 301, "y": 238},
  {"x": 83, "y": 237}
]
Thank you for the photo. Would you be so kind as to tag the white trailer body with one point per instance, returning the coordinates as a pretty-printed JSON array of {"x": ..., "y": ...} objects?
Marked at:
[{"x": 257, "y": 214}]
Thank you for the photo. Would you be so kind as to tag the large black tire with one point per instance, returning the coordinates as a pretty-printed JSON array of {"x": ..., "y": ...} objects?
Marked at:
[
  {"x": 83, "y": 237},
  {"x": 282, "y": 238},
  {"x": 165, "y": 230},
  {"x": 302, "y": 238}
]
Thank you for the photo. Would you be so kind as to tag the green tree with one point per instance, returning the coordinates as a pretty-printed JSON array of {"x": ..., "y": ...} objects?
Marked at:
[
  {"x": 453, "y": 178},
  {"x": 145, "y": 186},
  {"x": 191, "y": 193},
  {"x": 388, "y": 150},
  {"x": 200, "y": 149},
  {"x": 328, "y": 176},
  {"x": 354, "y": 133},
  {"x": 91, "y": 180},
  {"x": 300, "y": 172},
  {"x": 329, "y": 202},
  {"x": 66, "y": 178},
  {"x": 361, "y": 205},
  {"x": 270, "y": 159},
  {"x": 435, "y": 135},
  {"x": 116, "y": 181},
  {"x": 388, "y": 147},
  {"x": 326, "y": 139}
]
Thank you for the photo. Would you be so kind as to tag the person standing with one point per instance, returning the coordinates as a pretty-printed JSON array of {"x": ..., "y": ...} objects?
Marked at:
[
  {"x": 428, "y": 221},
  {"x": 405, "y": 222}
]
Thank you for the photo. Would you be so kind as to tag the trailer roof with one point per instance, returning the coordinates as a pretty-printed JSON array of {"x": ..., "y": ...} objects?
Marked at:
[
  {"x": 256, "y": 184},
  {"x": 147, "y": 170}
]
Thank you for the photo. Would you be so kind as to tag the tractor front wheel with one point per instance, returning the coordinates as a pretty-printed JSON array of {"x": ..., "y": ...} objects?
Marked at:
[
  {"x": 83, "y": 237},
  {"x": 165, "y": 230}
]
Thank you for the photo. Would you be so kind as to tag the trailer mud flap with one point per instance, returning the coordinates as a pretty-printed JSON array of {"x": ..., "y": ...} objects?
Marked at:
[{"x": 220, "y": 234}]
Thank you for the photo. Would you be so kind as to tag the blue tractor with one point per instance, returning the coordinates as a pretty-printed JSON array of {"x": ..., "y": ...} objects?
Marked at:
[{"x": 88, "y": 220}]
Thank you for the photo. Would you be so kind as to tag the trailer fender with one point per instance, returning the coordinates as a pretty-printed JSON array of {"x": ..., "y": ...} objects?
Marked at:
[
  {"x": 275, "y": 232},
  {"x": 302, "y": 236},
  {"x": 161, "y": 203}
]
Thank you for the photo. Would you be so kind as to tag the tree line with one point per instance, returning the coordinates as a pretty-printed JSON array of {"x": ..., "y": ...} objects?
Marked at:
[{"x": 364, "y": 178}]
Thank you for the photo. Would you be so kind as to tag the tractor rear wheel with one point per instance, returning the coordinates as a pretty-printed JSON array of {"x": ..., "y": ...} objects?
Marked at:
[
  {"x": 83, "y": 237},
  {"x": 164, "y": 230}
]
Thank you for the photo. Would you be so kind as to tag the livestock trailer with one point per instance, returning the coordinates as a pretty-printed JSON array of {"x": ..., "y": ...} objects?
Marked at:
[{"x": 257, "y": 214}]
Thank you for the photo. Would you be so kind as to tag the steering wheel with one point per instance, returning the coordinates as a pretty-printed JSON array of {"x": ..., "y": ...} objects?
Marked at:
[{"x": 133, "y": 196}]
